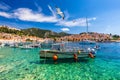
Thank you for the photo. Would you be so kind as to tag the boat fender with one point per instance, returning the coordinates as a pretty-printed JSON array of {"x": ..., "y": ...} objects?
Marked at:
[
  {"x": 79, "y": 51},
  {"x": 91, "y": 55},
  {"x": 62, "y": 45},
  {"x": 55, "y": 57},
  {"x": 75, "y": 56}
]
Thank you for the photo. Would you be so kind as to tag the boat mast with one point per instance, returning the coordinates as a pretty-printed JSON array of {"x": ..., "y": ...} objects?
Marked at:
[{"x": 86, "y": 25}]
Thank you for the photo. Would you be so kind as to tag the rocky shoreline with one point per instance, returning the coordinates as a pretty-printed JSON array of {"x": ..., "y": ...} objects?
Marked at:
[{"x": 11, "y": 38}]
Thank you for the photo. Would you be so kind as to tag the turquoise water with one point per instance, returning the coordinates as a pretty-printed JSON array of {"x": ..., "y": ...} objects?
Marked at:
[{"x": 20, "y": 64}]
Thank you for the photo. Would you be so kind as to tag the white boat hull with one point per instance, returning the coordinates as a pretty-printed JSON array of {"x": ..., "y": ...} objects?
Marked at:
[{"x": 60, "y": 55}]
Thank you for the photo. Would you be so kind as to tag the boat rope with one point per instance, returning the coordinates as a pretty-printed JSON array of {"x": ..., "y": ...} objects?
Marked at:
[{"x": 45, "y": 58}]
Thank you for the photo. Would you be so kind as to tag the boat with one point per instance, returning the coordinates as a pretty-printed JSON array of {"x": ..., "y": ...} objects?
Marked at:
[
  {"x": 25, "y": 47},
  {"x": 64, "y": 50},
  {"x": 13, "y": 45},
  {"x": 87, "y": 42},
  {"x": 2, "y": 44},
  {"x": 35, "y": 45},
  {"x": 46, "y": 44}
]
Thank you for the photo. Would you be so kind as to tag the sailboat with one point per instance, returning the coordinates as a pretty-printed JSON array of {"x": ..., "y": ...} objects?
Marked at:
[{"x": 89, "y": 42}]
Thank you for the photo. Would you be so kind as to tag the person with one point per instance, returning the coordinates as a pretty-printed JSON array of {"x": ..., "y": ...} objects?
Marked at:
[{"x": 58, "y": 49}]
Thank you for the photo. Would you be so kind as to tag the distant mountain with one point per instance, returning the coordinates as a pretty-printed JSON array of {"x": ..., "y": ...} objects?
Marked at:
[{"x": 33, "y": 32}]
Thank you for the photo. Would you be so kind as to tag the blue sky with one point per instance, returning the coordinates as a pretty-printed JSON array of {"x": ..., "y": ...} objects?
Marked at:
[{"x": 103, "y": 16}]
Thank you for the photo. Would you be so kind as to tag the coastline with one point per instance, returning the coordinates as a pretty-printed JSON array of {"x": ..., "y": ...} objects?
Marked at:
[
  {"x": 114, "y": 40},
  {"x": 16, "y": 41},
  {"x": 38, "y": 40}
]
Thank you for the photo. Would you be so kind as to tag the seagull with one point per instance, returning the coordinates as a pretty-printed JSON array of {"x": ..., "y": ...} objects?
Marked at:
[{"x": 60, "y": 13}]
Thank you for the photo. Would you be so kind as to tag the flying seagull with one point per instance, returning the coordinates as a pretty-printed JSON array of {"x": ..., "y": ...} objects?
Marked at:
[{"x": 60, "y": 13}]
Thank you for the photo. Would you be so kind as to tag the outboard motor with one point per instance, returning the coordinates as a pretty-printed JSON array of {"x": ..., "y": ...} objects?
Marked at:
[{"x": 91, "y": 50}]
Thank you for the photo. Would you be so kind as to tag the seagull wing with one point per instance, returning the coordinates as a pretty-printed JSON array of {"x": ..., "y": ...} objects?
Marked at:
[
  {"x": 60, "y": 13},
  {"x": 58, "y": 10}
]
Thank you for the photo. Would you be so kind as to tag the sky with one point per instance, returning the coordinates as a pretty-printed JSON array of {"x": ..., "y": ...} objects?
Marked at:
[{"x": 102, "y": 16}]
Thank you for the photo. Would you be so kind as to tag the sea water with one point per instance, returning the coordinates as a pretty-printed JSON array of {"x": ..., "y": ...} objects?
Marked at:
[{"x": 25, "y": 64}]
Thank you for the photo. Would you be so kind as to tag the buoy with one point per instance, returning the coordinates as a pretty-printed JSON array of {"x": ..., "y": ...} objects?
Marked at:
[
  {"x": 91, "y": 55},
  {"x": 75, "y": 57},
  {"x": 55, "y": 57}
]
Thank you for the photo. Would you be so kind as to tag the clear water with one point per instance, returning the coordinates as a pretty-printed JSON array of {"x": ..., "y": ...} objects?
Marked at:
[{"x": 20, "y": 64}]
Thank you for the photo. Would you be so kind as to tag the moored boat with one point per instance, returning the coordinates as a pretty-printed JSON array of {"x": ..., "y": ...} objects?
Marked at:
[
  {"x": 62, "y": 50},
  {"x": 87, "y": 42},
  {"x": 2, "y": 44},
  {"x": 61, "y": 54},
  {"x": 25, "y": 47}
]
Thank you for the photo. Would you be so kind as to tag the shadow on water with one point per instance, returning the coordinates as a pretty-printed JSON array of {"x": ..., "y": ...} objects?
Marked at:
[
  {"x": 60, "y": 61},
  {"x": 108, "y": 57}
]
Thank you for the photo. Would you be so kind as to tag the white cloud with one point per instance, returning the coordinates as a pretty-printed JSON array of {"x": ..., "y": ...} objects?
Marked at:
[
  {"x": 26, "y": 14},
  {"x": 4, "y": 6},
  {"x": 75, "y": 22},
  {"x": 94, "y": 18},
  {"x": 4, "y": 14},
  {"x": 66, "y": 15},
  {"x": 65, "y": 29}
]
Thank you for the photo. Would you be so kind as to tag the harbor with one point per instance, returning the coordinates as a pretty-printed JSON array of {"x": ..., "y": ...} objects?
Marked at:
[
  {"x": 25, "y": 64},
  {"x": 59, "y": 40}
]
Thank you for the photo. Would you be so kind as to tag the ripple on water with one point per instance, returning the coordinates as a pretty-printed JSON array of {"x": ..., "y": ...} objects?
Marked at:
[{"x": 17, "y": 64}]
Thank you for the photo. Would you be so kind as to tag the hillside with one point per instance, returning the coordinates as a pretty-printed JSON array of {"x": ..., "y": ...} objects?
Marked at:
[
  {"x": 33, "y": 32},
  {"x": 99, "y": 37},
  {"x": 43, "y": 33}
]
